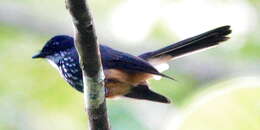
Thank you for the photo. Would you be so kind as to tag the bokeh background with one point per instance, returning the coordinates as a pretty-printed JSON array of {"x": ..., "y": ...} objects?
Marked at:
[{"x": 218, "y": 89}]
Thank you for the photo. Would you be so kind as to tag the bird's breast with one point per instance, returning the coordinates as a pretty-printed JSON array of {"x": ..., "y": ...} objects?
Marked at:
[{"x": 72, "y": 73}]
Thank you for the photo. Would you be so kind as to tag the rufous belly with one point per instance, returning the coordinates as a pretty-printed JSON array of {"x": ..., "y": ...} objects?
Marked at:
[
  {"x": 132, "y": 78},
  {"x": 120, "y": 82}
]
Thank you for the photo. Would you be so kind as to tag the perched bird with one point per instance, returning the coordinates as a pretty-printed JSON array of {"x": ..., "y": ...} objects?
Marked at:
[{"x": 126, "y": 75}]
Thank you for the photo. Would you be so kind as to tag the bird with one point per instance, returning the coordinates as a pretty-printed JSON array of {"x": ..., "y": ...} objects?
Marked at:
[{"x": 126, "y": 75}]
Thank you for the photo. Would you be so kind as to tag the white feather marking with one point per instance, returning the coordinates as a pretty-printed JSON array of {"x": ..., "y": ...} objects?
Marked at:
[
  {"x": 162, "y": 67},
  {"x": 156, "y": 77},
  {"x": 56, "y": 67},
  {"x": 53, "y": 64}
]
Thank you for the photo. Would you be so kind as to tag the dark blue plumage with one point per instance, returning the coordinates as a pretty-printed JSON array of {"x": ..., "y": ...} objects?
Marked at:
[
  {"x": 70, "y": 69},
  {"x": 113, "y": 59},
  {"x": 66, "y": 59},
  {"x": 126, "y": 75}
]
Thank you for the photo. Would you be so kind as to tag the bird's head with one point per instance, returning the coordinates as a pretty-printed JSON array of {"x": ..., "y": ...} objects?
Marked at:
[{"x": 56, "y": 48}]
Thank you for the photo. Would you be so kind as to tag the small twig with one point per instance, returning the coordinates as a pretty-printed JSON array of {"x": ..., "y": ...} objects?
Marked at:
[{"x": 88, "y": 50}]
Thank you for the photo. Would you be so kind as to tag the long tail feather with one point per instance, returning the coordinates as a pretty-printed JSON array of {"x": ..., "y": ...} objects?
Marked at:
[{"x": 199, "y": 42}]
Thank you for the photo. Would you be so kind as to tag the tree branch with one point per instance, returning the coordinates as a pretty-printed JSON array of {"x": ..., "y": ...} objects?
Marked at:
[{"x": 88, "y": 50}]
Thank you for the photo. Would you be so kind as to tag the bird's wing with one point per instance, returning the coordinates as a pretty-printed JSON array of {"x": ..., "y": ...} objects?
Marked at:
[{"x": 113, "y": 59}]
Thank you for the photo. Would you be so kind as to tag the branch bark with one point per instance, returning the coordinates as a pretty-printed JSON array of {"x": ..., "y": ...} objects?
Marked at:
[{"x": 93, "y": 76}]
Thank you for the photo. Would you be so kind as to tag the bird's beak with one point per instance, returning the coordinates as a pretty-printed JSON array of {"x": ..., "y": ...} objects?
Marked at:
[{"x": 39, "y": 55}]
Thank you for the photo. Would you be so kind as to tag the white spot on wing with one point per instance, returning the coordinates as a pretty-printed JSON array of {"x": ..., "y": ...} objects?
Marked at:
[
  {"x": 162, "y": 67},
  {"x": 156, "y": 77}
]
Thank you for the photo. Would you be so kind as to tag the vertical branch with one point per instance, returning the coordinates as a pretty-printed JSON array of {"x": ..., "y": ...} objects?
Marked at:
[{"x": 88, "y": 50}]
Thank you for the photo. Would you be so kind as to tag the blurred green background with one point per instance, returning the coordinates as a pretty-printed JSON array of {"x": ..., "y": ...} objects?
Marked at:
[{"x": 218, "y": 89}]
